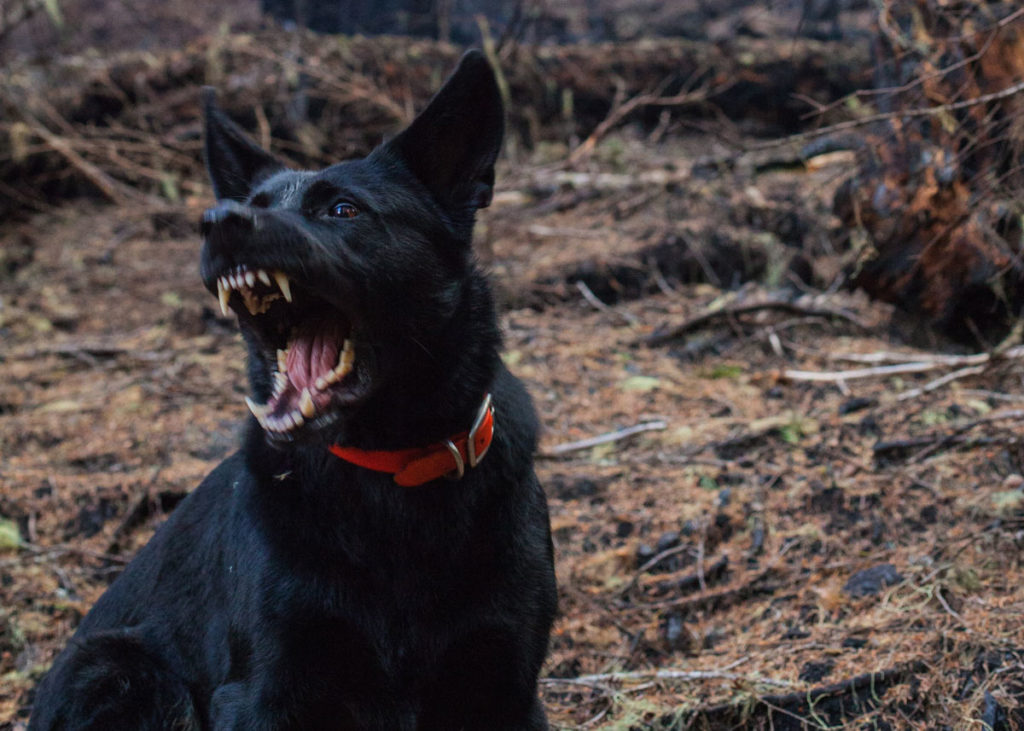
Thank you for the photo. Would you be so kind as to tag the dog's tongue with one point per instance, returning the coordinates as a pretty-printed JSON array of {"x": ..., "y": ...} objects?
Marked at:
[{"x": 313, "y": 352}]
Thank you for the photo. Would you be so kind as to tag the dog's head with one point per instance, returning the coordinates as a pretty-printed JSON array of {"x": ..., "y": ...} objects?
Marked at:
[{"x": 346, "y": 281}]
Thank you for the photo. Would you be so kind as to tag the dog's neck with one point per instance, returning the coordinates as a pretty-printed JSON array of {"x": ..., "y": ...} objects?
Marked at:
[{"x": 414, "y": 466}]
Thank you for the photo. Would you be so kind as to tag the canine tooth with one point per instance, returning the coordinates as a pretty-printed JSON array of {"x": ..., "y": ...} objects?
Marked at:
[
  {"x": 345, "y": 360},
  {"x": 306, "y": 404},
  {"x": 295, "y": 419},
  {"x": 264, "y": 277},
  {"x": 282, "y": 360},
  {"x": 256, "y": 409},
  {"x": 320, "y": 384},
  {"x": 282, "y": 282},
  {"x": 280, "y": 381},
  {"x": 223, "y": 294},
  {"x": 250, "y": 279}
]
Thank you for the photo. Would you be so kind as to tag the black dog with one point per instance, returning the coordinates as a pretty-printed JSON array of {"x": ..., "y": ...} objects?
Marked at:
[{"x": 372, "y": 558}]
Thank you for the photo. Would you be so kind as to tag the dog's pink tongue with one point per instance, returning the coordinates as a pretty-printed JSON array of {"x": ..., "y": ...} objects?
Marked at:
[{"x": 314, "y": 352}]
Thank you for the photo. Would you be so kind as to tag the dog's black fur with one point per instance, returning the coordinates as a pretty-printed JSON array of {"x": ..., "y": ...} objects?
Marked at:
[{"x": 294, "y": 590}]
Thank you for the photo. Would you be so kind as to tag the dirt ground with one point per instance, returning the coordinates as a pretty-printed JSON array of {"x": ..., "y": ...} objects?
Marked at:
[{"x": 769, "y": 552}]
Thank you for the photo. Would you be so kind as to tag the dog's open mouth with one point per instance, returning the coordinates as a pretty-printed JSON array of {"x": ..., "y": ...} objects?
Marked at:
[{"x": 308, "y": 342}]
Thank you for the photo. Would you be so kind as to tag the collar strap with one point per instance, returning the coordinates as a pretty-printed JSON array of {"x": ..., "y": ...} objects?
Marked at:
[{"x": 420, "y": 465}]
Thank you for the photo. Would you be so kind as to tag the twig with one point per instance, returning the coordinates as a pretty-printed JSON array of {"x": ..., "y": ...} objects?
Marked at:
[
  {"x": 668, "y": 674},
  {"x": 920, "y": 78},
  {"x": 969, "y": 365},
  {"x": 949, "y": 610},
  {"x": 612, "y": 436},
  {"x": 1013, "y": 414},
  {"x": 660, "y": 338},
  {"x": 593, "y": 299},
  {"x": 646, "y": 99},
  {"x": 834, "y": 376},
  {"x": 803, "y": 137},
  {"x": 65, "y": 549},
  {"x": 938, "y": 358},
  {"x": 863, "y": 690},
  {"x": 942, "y": 381},
  {"x": 117, "y": 193},
  {"x": 651, "y": 563}
]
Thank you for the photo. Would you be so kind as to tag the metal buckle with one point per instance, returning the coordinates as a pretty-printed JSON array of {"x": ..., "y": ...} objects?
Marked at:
[
  {"x": 460, "y": 467},
  {"x": 474, "y": 458}
]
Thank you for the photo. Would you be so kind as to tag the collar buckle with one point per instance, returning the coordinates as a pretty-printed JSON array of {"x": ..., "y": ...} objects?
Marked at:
[
  {"x": 460, "y": 466},
  {"x": 471, "y": 453}
]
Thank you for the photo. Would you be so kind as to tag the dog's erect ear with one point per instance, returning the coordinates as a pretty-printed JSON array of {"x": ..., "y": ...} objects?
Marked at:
[
  {"x": 453, "y": 143},
  {"x": 234, "y": 162}
]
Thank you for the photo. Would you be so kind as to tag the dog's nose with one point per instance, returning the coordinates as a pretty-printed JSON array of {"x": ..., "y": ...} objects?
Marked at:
[{"x": 227, "y": 211}]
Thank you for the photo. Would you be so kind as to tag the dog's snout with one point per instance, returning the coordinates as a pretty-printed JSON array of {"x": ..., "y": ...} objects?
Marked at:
[{"x": 227, "y": 213}]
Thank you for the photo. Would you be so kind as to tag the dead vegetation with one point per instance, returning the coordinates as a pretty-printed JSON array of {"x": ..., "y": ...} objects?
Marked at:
[{"x": 776, "y": 503}]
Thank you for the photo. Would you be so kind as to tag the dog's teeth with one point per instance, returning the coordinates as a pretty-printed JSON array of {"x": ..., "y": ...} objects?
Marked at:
[
  {"x": 264, "y": 277},
  {"x": 280, "y": 381},
  {"x": 282, "y": 283},
  {"x": 321, "y": 384},
  {"x": 306, "y": 404},
  {"x": 345, "y": 360},
  {"x": 282, "y": 360},
  {"x": 250, "y": 279},
  {"x": 295, "y": 420},
  {"x": 259, "y": 411},
  {"x": 223, "y": 294}
]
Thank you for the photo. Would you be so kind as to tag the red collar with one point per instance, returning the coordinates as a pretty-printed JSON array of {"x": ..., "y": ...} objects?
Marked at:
[{"x": 419, "y": 465}]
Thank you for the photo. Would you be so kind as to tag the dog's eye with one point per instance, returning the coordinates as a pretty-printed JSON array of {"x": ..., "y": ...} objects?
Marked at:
[{"x": 343, "y": 210}]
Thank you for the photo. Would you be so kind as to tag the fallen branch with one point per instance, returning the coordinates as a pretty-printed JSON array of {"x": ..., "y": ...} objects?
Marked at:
[
  {"x": 667, "y": 674},
  {"x": 942, "y": 381},
  {"x": 756, "y": 585},
  {"x": 937, "y": 358},
  {"x": 1012, "y": 414},
  {"x": 620, "y": 110},
  {"x": 64, "y": 549},
  {"x": 613, "y": 436},
  {"x": 856, "y": 373},
  {"x": 694, "y": 581},
  {"x": 114, "y": 191},
  {"x": 702, "y": 319},
  {"x": 851, "y": 124},
  {"x": 891, "y": 450},
  {"x": 594, "y": 300},
  {"x": 95, "y": 350},
  {"x": 865, "y": 688},
  {"x": 928, "y": 444},
  {"x": 968, "y": 365}
]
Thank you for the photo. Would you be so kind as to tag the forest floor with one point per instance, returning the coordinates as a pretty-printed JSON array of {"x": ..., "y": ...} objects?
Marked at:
[{"x": 768, "y": 552}]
